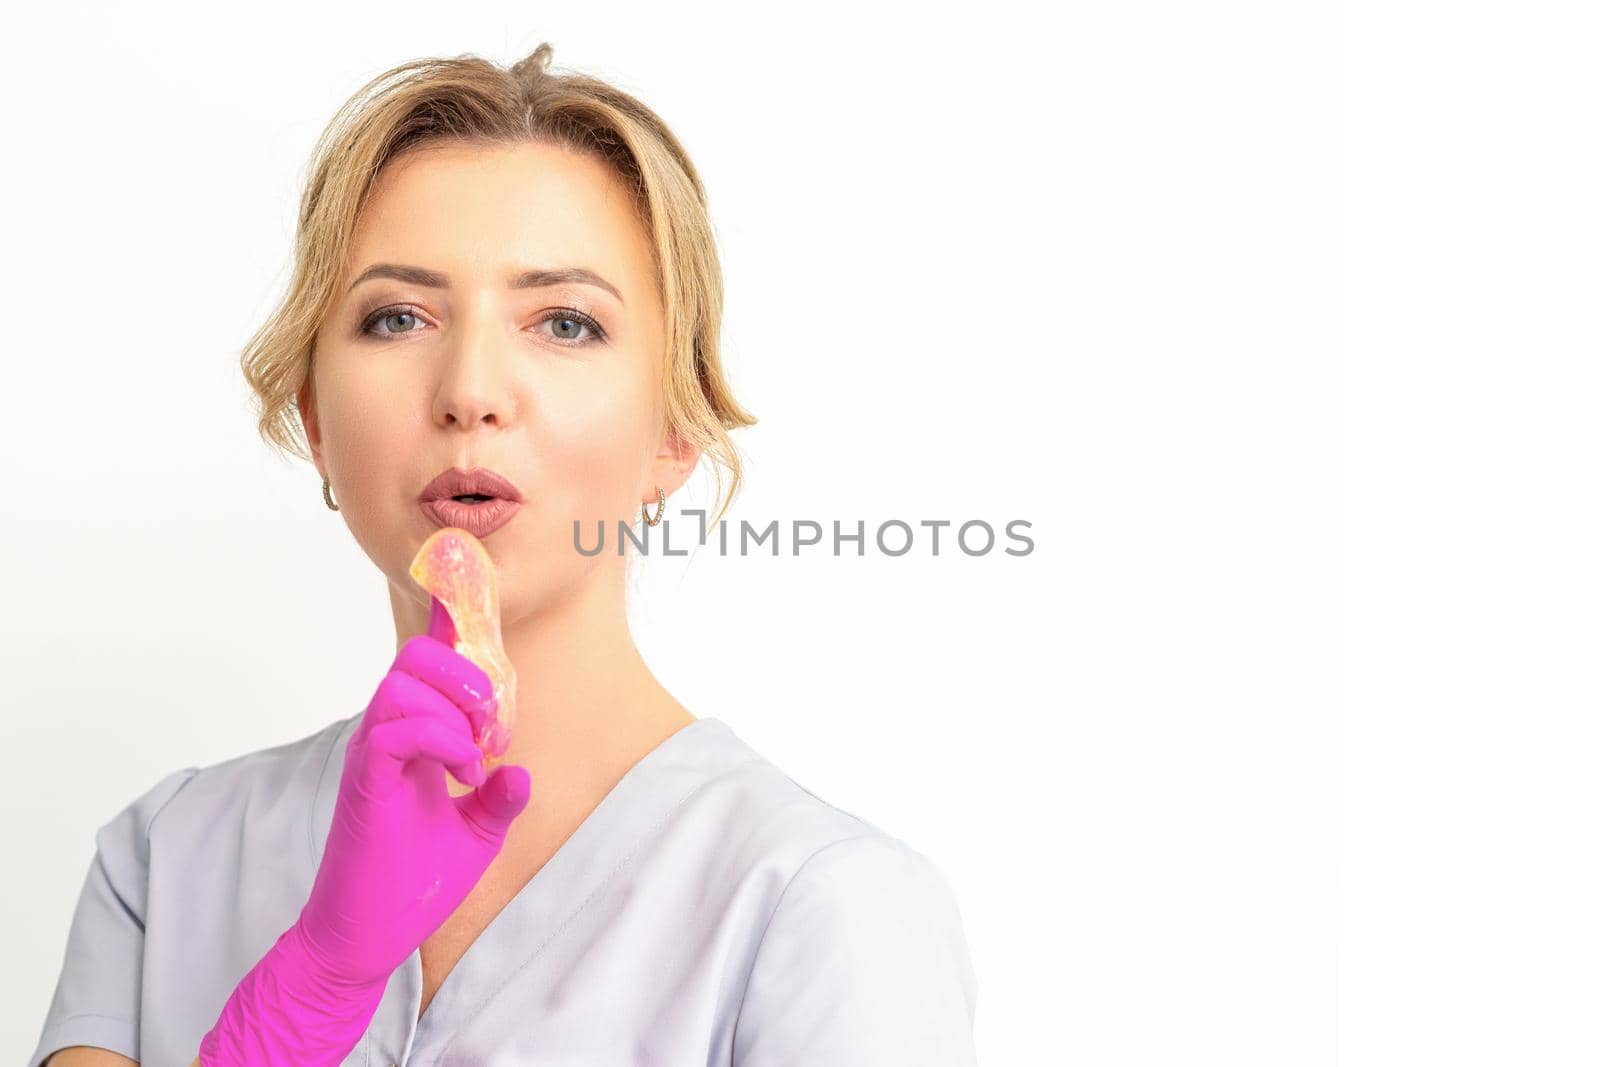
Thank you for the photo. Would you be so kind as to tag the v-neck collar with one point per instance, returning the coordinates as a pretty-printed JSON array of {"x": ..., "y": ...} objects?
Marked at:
[{"x": 641, "y": 802}]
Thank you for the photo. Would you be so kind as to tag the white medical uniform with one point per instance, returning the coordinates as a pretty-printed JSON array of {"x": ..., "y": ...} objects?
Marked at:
[{"x": 710, "y": 911}]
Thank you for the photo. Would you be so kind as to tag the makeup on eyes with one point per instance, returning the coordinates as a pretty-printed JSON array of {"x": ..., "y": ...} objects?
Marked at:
[{"x": 384, "y": 310}]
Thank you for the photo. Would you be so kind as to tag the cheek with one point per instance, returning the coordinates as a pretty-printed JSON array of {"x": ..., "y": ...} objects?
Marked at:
[
  {"x": 598, "y": 446},
  {"x": 362, "y": 432}
]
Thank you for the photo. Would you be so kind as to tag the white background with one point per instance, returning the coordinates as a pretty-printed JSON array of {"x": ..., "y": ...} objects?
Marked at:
[{"x": 1276, "y": 321}]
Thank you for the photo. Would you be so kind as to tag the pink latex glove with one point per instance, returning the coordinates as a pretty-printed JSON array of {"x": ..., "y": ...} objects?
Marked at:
[{"x": 402, "y": 855}]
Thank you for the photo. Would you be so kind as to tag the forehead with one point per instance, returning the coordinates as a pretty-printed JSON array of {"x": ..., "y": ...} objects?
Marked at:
[{"x": 480, "y": 212}]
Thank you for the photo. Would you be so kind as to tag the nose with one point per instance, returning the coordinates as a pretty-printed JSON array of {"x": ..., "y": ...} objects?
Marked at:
[{"x": 474, "y": 386}]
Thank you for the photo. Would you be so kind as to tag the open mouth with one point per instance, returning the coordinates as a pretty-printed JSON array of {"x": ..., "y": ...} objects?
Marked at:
[{"x": 473, "y": 498}]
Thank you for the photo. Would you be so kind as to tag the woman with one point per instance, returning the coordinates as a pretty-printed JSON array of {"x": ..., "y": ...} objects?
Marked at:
[{"x": 505, "y": 286}]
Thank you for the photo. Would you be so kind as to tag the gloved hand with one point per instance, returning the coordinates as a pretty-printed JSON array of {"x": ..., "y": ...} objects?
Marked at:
[{"x": 401, "y": 856}]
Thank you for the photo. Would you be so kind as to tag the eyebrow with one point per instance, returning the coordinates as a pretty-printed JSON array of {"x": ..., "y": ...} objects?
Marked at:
[{"x": 530, "y": 279}]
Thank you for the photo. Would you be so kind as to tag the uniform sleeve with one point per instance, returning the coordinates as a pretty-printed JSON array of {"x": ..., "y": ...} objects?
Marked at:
[
  {"x": 864, "y": 962},
  {"x": 97, "y": 995}
]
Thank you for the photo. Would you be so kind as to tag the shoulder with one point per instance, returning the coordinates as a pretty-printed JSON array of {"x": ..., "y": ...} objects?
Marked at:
[
  {"x": 762, "y": 817},
  {"x": 872, "y": 892},
  {"x": 864, "y": 960},
  {"x": 826, "y": 874},
  {"x": 192, "y": 799},
  {"x": 766, "y": 813},
  {"x": 268, "y": 772},
  {"x": 871, "y": 864}
]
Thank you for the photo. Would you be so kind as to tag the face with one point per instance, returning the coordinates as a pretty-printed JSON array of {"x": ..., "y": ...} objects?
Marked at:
[{"x": 556, "y": 387}]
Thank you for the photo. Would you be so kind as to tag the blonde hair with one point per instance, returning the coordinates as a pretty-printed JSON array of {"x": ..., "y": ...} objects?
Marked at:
[{"x": 470, "y": 99}]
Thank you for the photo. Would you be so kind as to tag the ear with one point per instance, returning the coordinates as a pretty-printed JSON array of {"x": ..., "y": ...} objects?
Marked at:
[
  {"x": 674, "y": 462},
  {"x": 305, "y": 402}
]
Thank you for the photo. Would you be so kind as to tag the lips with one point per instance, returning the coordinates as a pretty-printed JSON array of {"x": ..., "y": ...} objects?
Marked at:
[
  {"x": 479, "y": 520},
  {"x": 477, "y": 500},
  {"x": 477, "y": 481}
]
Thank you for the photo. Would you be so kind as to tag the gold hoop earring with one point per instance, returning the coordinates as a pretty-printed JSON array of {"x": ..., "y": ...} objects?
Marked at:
[
  {"x": 326, "y": 498},
  {"x": 644, "y": 509}
]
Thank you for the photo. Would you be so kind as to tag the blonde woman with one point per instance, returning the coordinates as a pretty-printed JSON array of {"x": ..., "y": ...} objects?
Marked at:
[{"x": 504, "y": 316}]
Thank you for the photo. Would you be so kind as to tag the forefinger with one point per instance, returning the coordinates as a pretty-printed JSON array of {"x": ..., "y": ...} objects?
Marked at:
[{"x": 457, "y": 677}]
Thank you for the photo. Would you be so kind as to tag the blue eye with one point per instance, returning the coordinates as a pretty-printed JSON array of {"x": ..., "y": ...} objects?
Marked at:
[
  {"x": 569, "y": 325},
  {"x": 390, "y": 313},
  {"x": 567, "y": 318}
]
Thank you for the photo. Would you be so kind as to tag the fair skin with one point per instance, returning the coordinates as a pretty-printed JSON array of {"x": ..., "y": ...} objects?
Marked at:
[{"x": 478, "y": 374}]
